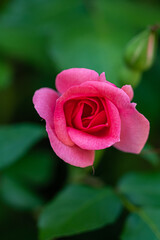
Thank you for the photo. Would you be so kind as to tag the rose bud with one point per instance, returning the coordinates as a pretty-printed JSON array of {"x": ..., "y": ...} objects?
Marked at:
[
  {"x": 88, "y": 113},
  {"x": 140, "y": 52}
]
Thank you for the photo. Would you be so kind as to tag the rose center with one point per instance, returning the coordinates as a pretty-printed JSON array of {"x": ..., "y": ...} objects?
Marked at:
[
  {"x": 87, "y": 110},
  {"x": 89, "y": 114}
]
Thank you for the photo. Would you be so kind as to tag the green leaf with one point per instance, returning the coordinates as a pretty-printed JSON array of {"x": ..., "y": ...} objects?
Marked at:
[
  {"x": 141, "y": 188},
  {"x": 36, "y": 168},
  {"x": 78, "y": 209},
  {"x": 15, "y": 141},
  {"x": 145, "y": 225},
  {"x": 5, "y": 75},
  {"x": 18, "y": 195}
]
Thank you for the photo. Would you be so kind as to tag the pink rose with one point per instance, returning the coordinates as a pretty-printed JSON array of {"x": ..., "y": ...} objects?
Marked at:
[{"x": 89, "y": 113}]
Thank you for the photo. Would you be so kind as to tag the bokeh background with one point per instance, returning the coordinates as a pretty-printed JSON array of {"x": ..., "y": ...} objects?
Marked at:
[{"x": 38, "y": 39}]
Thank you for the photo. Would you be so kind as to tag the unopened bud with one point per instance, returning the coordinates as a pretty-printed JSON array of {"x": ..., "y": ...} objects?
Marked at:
[
  {"x": 140, "y": 52},
  {"x": 130, "y": 76}
]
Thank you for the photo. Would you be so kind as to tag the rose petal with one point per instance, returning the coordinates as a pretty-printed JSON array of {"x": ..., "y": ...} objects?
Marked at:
[
  {"x": 91, "y": 107},
  {"x": 84, "y": 107},
  {"x": 93, "y": 125},
  {"x": 96, "y": 129},
  {"x": 103, "y": 139},
  {"x": 128, "y": 90},
  {"x": 77, "y": 121},
  {"x": 73, "y": 155},
  {"x": 74, "y": 76},
  {"x": 100, "y": 118},
  {"x": 44, "y": 101},
  {"x": 68, "y": 110},
  {"x": 134, "y": 130},
  {"x": 60, "y": 124}
]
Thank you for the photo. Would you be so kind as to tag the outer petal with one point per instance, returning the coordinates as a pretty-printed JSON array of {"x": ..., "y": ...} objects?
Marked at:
[
  {"x": 44, "y": 101},
  {"x": 60, "y": 124},
  {"x": 134, "y": 130},
  {"x": 74, "y": 76},
  {"x": 72, "y": 155},
  {"x": 128, "y": 90}
]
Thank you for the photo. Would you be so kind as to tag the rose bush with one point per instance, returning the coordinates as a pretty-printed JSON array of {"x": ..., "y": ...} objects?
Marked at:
[{"x": 89, "y": 113}]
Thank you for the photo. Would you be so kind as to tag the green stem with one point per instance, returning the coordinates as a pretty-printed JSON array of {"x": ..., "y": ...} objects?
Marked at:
[{"x": 128, "y": 205}]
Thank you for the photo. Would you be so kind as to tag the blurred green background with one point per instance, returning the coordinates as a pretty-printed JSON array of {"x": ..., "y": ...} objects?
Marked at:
[{"x": 38, "y": 39}]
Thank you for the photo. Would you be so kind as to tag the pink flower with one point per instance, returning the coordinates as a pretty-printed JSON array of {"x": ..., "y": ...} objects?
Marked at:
[{"x": 89, "y": 113}]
